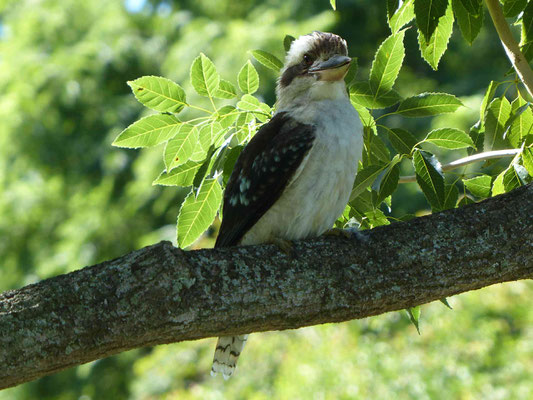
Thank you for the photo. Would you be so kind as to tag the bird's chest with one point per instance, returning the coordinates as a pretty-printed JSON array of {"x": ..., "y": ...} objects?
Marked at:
[{"x": 317, "y": 196}]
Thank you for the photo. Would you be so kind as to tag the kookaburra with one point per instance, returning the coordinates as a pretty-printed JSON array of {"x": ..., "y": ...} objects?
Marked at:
[{"x": 294, "y": 178}]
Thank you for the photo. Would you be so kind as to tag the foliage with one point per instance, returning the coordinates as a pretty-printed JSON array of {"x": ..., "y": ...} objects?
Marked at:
[{"x": 70, "y": 200}]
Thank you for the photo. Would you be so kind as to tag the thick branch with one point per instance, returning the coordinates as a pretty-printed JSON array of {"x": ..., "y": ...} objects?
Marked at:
[
  {"x": 161, "y": 294},
  {"x": 510, "y": 45}
]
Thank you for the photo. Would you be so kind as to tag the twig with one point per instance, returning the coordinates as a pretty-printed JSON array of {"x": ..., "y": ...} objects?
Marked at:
[
  {"x": 510, "y": 45},
  {"x": 468, "y": 160}
]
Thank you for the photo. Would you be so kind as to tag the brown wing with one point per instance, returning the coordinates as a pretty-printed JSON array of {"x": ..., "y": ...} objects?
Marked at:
[{"x": 261, "y": 173}]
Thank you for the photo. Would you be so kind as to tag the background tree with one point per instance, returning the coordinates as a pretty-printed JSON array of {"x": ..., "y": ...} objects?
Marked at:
[{"x": 70, "y": 199}]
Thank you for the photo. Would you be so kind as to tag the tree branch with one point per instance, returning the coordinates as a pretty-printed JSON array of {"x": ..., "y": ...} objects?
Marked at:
[
  {"x": 510, "y": 45},
  {"x": 161, "y": 294}
]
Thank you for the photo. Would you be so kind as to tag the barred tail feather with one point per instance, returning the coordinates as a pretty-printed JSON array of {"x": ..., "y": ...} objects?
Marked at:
[{"x": 227, "y": 353}]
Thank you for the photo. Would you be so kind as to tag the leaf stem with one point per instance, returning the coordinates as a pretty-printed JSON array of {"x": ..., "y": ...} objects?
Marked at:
[
  {"x": 468, "y": 160},
  {"x": 510, "y": 45},
  {"x": 200, "y": 108}
]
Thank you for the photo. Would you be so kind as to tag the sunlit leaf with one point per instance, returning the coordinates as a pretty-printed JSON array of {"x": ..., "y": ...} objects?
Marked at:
[
  {"x": 225, "y": 90},
  {"x": 204, "y": 76},
  {"x": 179, "y": 150},
  {"x": 366, "y": 118},
  {"x": 470, "y": 23},
  {"x": 227, "y": 115},
  {"x": 520, "y": 124},
  {"x": 489, "y": 95},
  {"x": 414, "y": 317},
  {"x": 364, "y": 178},
  {"x": 159, "y": 93},
  {"x": 386, "y": 65},
  {"x": 148, "y": 131},
  {"x": 361, "y": 93},
  {"x": 399, "y": 13},
  {"x": 249, "y": 103},
  {"x": 179, "y": 176},
  {"x": 428, "y": 14},
  {"x": 248, "y": 78},
  {"x": 527, "y": 160},
  {"x": 429, "y": 178},
  {"x": 498, "y": 113},
  {"x": 402, "y": 141},
  {"x": 508, "y": 180},
  {"x": 479, "y": 186},
  {"x": 352, "y": 71},
  {"x": 477, "y": 134},
  {"x": 527, "y": 24},
  {"x": 198, "y": 212},
  {"x": 449, "y": 138},
  {"x": 426, "y": 104},
  {"x": 268, "y": 60},
  {"x": 434, "y": 46}
]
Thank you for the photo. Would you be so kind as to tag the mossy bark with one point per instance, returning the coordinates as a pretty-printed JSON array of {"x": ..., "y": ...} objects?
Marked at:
[{"x": 161, "y": 294}]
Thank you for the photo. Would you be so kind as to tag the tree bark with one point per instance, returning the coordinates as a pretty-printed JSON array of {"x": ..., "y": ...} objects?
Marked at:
[{"x": 161, "y": 294}]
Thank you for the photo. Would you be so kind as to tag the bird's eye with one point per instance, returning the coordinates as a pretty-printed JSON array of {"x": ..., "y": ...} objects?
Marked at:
[{"x": 308, "y": 60}]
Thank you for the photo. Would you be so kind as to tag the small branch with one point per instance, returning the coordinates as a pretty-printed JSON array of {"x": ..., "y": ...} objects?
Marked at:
[
  {"x": 161, "y": 294},
  {"x": 510, "y": 45},
  {"x": 468, "y": 160}
]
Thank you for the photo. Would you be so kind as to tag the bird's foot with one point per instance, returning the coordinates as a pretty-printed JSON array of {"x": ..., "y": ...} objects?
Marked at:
[
  {"x": 284, "y": 245},
  {"x": 348, "y": 233}
]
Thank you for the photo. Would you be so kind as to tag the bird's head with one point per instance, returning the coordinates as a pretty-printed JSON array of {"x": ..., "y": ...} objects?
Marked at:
[{"x": 314, "y": 69}]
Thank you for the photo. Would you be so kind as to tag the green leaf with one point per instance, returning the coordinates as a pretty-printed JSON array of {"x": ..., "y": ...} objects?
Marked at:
[
  {"x": 227, "y": 116},
  {"x": 374, "y": 152},
  {"x": 449, "y": 138},
  {"x": 366, "y": 118},
  {"x": 209, "y": 134},
  {"x": 248, "y": 78},
  {"x": 386, "y": 65},
  {"x": 179, "y": 150},
  {"x": 361, "y": 93},
  {"x": 477, "y": 134},
  {"x": 451, "y": 194},
  {"x": 473, "y": 7},
  {"x": 399, "y": 14},
  {"x": 498, "y": 113},
  {"x": 225, "y": 90},
  {"x": 429, "y": 178},
  {"x": 434, "y": 46},
  {"x": 520, "y": 124},
  {"x": 148, "y": 131},
  {"x": 414, "y": 316},
  {"x": 364, "y": 178},
  {"x": 352, "y": 71},
  {"x": 229, "y": 162},
  {"x": 287, "y": 41},
  {"x": 159, "y": 93},
  {"x": 511, "y": 8},
  {"x": 444, "y": 301},
  {"x": 204, "y": 76},
  {"x": 389, "y": 182},
  {"x": 268, "y": 60},
  {"x": 180, "y": 176},
  {"x": 479, "y": 186},
  {"x": 333, "y": 4},
  {"x": 527, "y": 24},
  {"x": 249, "y": 103},
  {"x": 470, "y": 23},
  {"x": 374, "y": 218},
  {"x": 428, "y": 14},
  {"x": 527, "y": 160},
  {"x": 402, "y": 141},
  {"x": 426, "y": 104},
  {"x": 489, "y": 95},
  {"x": 506, "y": 181},
  {"x": 198, "y": 212}
]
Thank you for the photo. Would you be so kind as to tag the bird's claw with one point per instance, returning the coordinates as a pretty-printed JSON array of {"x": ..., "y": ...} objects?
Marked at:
[{"x": 284, "y": 245}]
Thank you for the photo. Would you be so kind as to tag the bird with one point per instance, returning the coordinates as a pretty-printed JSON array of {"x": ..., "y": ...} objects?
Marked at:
[{"x": 294, "y": 177}]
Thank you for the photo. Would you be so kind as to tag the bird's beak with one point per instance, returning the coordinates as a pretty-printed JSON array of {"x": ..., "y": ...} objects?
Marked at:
[{"x": 333, "y": 69}]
